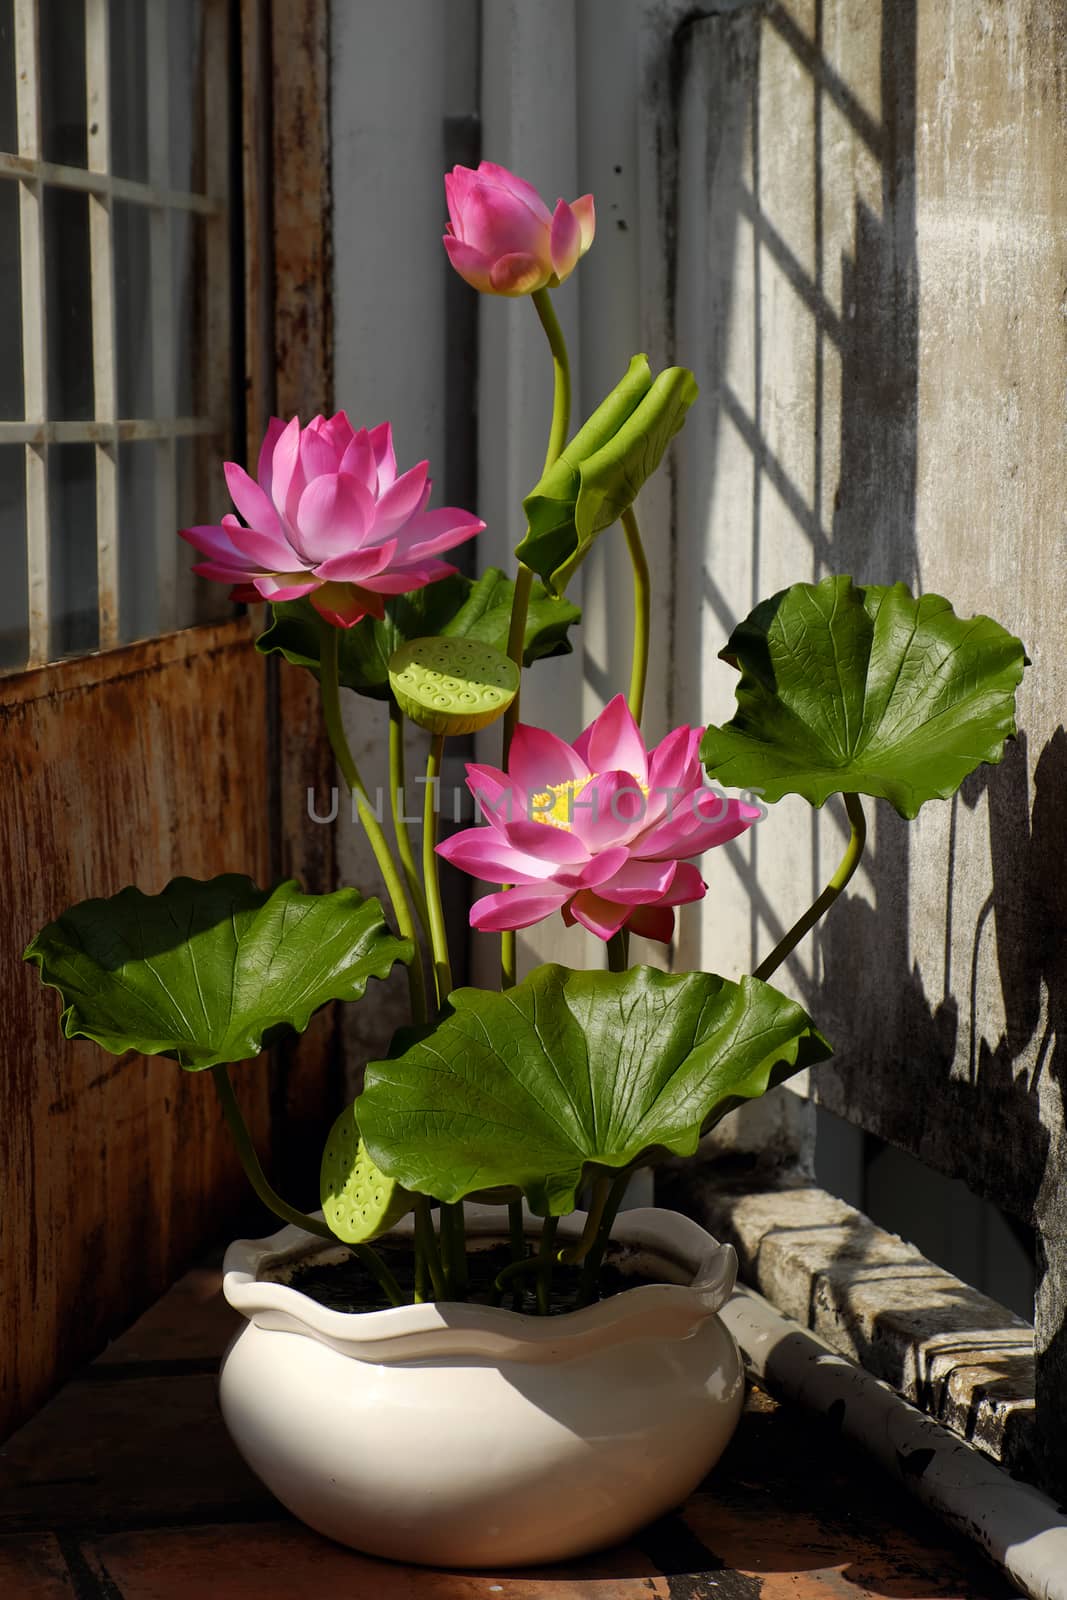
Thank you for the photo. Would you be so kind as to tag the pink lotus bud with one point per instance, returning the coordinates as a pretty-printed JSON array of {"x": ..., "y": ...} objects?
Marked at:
[{"x": 503, "y": 239}]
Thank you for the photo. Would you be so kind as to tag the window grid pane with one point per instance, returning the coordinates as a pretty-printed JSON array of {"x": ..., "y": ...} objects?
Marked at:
[{"x": 121, "y": 349}]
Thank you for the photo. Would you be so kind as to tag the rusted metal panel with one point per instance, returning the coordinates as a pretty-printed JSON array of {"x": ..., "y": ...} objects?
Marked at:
[
  {"x": 132, "y": 766},
  {"x": 298, "y": 310},
  {"x": 300, "y": 140}
]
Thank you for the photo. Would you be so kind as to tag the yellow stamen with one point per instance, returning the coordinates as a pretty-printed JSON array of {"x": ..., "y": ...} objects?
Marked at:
[{"x": 556, "y": 804}]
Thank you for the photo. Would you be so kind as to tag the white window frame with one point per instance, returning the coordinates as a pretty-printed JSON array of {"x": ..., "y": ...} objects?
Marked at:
[{"x": 107, "y": 430}]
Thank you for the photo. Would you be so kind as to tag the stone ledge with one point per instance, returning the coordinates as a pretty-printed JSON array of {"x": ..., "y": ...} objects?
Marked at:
[{"x": 957, "y": 1355}]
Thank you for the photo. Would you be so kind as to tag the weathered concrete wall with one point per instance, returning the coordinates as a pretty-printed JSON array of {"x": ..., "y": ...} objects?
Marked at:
[{"x": 869, "y": 279}]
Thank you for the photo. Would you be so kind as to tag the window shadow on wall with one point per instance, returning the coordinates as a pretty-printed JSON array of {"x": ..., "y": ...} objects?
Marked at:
[{"x": 914, "y": 1067}]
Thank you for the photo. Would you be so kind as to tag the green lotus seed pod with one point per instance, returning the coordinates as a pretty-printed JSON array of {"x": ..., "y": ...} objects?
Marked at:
[
  {"x": 358, "y": 1201},
  {"x": 452, "y": 685}
]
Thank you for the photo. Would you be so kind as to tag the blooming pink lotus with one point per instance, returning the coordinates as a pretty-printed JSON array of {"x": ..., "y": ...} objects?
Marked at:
[
  {"x": 330, "y": 519},
  {"x": 503, "y": 239},
  {"x": 601, "y": 830}
]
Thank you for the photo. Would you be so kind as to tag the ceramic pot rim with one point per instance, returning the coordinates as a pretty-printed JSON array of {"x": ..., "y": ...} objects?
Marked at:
[{"x": 703, "y": 1273}]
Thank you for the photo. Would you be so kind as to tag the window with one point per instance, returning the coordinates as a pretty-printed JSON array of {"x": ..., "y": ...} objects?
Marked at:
[{"x": 115, "y": 337}]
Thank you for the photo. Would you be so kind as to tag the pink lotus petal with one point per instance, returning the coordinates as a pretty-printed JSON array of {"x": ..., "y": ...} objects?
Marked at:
[
  {"x": 358, "y": 461},
  {"x": 244, "y": 594},
  {"x": 216, "y": 542},
  {"x": 604, "y": 865},
  {"x": 599, "y": 916},
  {"x": 318, "y": 458},
  {"x": 484, "y": 853},
  {"x": 652, "y": 922},
  {"x": 401, "y": 501},
  {"x": 566, "y": 241},
  {"x": 538, "y": 760},
  {"x": 685, "y": 836},
  {"x": 686, "y": 885},
  {"x": 515, "y": 185},
  {"x": 547, "y": 843},
  {"x": 434, "y": 531},
  {"x": 674, "y": 772},
  {"x": 457, "y": 187},
  {"x": 358, "y": 565},
  {"x": 615, "y": 743},
  {"x": 585, "y": 211},
  {"x": 403, "y": 580},
  {"x": 518, "y": 273},
  {"x": 339, "y": 433},
  {"x": 609, "y": 810},
  {"x": 671, "y": 764},
  {"x": 640, "y": 883},
  {"x": 285, "y": 465},
  {"x": 519, "y": 907},
  {"x": 472, "y": 265},
  {"x": 500, "y": 223},
  {"x": 257, "y": 510},
  {"x": 265, "y": 465},
  {"x": 497, "y": 797},
  {"x": 287, "y": 586},
  {"x": 219, "y": 570},
  {"x": 343, "y": 606},
  {"x": 268, "y": 551},
  {"x": 334, "y": 515},
  {"x": 381, "y": 441}
]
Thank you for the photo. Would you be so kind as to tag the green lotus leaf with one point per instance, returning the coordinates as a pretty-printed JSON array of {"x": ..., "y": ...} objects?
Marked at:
[
  {"x": 455, "y": 608},
  {"x": 572, "y": 1074},
  {"x": 866, "y": 691},
  {"x": 358, "y": 1201},
  {"x": 600, "y": 472},
  {"x": 210, "y": 972}
]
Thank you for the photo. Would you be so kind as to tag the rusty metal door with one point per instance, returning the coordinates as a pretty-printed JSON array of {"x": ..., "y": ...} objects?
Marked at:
[{"x": 166, "y": 252}]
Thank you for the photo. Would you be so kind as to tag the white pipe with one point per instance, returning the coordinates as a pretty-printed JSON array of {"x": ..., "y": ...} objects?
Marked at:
[{"x": 1018, "y": 1527}]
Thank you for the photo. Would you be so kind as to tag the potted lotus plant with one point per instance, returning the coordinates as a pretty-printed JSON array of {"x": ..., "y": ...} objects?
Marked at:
[{"x": 470, "y": 1355}]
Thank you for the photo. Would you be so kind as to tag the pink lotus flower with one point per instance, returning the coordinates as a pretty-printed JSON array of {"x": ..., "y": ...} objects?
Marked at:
[
  {"x": 601, "y": 830},
  {"x": 503, "y": 239},
  {"x": 330, "y": 519}
]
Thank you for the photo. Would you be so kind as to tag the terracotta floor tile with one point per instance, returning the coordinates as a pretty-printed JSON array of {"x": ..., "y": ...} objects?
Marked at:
[
  {"x": 34, "y": 1569},
  {"x": 192, "y": 1322},
  {"x": 286, "y": 1562},
  {"x": 129, "y": 1451},
  {"x": 832, "y": 1547}
]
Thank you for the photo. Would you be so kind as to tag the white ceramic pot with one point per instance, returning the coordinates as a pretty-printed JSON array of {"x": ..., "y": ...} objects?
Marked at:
[{"x": 473, "y": 1436}]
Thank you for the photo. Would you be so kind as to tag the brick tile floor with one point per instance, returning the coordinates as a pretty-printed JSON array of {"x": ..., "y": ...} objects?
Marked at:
[{"x": 125, "y": 1487}]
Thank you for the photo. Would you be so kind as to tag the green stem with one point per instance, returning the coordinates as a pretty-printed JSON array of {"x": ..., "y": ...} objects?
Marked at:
[
  {"x": 250, "y": 1161},
  {"x": 454, "y": 1247},
  {"x": 394, "y": 883},
  {"x": 426, "y": 1245},
  {"x": 642, "y": 612},
  {"x": 574, "y": 1253},
  {"x": 591, "y": 1270},
  {"x": 517, "y": 1234},
  {"x": 273, "y": 1201},
  {"x": 514, "y": 1272},
  {"x": 377, "y": 1267},
  {"x": 517, "y": 1230},
  {"x": 442, "y": 969},
  {"x": 557, "y": 438},
  {"x": 561, "y": 375},
  {"x": 546, "y": 1256},
  {"x": 398, "y": 801},
  {"x": 618, "y": 952},
  {"x": 845, "y": 869}
]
